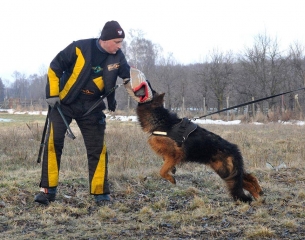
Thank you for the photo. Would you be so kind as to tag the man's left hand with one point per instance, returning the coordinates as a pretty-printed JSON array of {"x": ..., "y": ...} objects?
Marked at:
[{"x": 112, "y": 106}]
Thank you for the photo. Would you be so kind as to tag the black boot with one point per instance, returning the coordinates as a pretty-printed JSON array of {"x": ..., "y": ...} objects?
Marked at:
[
  {"x": 45, "y": 198},
  {"x": 102, "y": 199}
]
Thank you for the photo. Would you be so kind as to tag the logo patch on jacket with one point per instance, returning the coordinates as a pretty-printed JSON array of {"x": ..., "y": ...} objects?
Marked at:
[
  {"x": 97, "y": 69},
  {"x": 87, "y": 92},
  {"x": 112, "y": 67}
]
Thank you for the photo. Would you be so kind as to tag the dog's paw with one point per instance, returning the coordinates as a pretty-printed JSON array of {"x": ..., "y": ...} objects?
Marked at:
[{"x": 174, "y": 181}]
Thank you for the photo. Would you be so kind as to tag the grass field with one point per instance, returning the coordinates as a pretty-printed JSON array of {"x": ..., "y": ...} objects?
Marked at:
[{"x": 145, "y": 206}]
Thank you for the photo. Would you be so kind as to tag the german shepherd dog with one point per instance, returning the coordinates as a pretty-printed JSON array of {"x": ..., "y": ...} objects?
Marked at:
[{"x": 201, "y": 146}]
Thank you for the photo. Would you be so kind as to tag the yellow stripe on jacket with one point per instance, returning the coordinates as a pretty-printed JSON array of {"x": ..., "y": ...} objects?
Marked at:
[
  {"x": 53, "y": 82},
  {"x": 80, "y": 62},
  {"x": 99, "y": 82}
]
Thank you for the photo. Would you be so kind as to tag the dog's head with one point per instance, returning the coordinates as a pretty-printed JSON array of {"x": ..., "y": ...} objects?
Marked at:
[{"x": 149, "y": 112}]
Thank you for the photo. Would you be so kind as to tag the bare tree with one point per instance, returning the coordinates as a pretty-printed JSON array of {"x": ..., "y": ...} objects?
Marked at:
[
  {"x": 167, "y": 79},
  {"x": 263, "y": 70},
  {"x": 140, "y": 52},
  {"x": 297, "y": 63},
  {"x": 37, "y": 85},
  {"x": 2, "y": 88},
  {"x": 216, "y": 75},
  {"x": 20, "y": 86},
  {"x": 296, "y": 66}
]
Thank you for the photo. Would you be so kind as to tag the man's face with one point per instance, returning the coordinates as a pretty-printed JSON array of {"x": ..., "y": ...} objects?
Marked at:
[{"x": 113, "y": 45}]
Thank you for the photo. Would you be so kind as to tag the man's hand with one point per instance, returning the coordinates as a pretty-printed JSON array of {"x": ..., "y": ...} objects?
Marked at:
[
  {"x": 129, "y": 90},
  {"x": 112, "y": 106},
  {"x": 52, "y": 101}
]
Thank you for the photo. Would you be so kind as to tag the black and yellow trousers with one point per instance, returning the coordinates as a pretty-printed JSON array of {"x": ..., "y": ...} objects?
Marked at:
[{"x": 92, "y": 128}]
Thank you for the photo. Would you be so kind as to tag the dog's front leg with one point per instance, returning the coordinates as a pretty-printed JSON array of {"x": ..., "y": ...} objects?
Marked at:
[{"x": 168, "y": 165}]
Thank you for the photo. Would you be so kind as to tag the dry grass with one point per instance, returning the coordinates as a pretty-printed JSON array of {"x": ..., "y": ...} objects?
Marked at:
[{"x": 144, "y": 205}]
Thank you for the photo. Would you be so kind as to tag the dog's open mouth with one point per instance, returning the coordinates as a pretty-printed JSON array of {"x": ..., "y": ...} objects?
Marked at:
[{"x": 140, "y": 92}]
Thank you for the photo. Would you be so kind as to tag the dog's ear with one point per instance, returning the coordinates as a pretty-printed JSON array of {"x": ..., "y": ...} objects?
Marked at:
[
  {"x": 159, "y": 99},
  {"x": 162, "y": 96}
]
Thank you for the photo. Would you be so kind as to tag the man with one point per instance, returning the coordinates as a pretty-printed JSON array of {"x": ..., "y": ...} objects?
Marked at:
[{"x": 77, "y": 77}]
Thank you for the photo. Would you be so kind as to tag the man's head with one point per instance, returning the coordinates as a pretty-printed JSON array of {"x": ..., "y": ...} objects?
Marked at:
[{"x": 112, "y": 37}]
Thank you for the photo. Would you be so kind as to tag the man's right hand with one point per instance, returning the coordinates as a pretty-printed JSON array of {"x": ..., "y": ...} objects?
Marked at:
[{"x": 52, "y": 101}]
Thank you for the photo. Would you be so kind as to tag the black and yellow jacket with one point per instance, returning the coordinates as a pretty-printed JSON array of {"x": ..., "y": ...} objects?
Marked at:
[{"x": 70, "y": 71}]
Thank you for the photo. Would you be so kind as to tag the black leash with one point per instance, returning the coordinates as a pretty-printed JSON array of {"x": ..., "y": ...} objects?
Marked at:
[
  {"x": 98, "y": 102},
  {"x": 247, "y": 103},
  {"x": 45, "y": 132},
  {"x": 43, "y": 137},
  {"x": 69, "y": 131}
]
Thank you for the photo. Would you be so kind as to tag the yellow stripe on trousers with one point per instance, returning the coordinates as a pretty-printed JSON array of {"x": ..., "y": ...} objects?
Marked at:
[
  {"x": 97, "y": 184},
  {"x": 52, "y": 161}
]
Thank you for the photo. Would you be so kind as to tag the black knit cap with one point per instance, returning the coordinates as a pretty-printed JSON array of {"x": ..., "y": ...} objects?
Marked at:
[{"x": 111, "y": 30}]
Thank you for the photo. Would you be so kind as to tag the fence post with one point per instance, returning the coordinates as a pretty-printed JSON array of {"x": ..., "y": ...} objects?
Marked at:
[
  {"x": 253, "y": 108},
  {"x": 183, "y": 107},
  {"x": 228, "y": 107},
  {"x": 297, "y": 104}
]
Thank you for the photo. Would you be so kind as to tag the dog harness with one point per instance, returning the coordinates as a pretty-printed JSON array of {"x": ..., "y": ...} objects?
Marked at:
[{"x": 179, "y": 132}]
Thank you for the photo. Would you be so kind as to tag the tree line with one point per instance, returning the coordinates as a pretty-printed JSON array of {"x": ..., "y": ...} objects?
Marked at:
[{"x": 221, "y": 80}]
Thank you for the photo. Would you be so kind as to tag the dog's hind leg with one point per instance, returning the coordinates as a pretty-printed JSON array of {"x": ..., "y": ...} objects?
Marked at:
[
  {"x": 251, "y": 184},
  {"x": 232, "y": 175}
]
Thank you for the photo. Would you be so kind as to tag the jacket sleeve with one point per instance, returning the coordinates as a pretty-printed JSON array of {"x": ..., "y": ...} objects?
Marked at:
[
  {"x": 123, "y": 72},
  {"x": 61, "y": 63}
]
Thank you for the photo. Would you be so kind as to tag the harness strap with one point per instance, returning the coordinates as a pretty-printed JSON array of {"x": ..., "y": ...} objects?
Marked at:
[
  {"x": 179, "y": 132},
  {"x": 159, "y": 133}
]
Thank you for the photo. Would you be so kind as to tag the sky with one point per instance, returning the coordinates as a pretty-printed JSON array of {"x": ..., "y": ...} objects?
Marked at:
[{"x": 34, "y": 31}]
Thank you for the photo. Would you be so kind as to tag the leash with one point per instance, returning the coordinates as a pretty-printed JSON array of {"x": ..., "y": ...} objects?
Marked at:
[
  {"x": 43, "y": 137},
  {"x": 69, "y": 131},
  {"x": 247, "y": 103},
  {"x": 98, "y": 102}
]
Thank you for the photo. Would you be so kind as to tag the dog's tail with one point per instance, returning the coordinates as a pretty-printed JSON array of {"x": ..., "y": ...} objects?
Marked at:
[{"x": 230, "y": 169}]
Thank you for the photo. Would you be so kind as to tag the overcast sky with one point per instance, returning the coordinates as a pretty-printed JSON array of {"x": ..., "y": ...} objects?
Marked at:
[{"x": 34, "y": 31}]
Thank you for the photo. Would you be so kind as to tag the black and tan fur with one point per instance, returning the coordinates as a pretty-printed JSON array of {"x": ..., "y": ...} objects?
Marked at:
[{"x": 201, "y": 146}]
